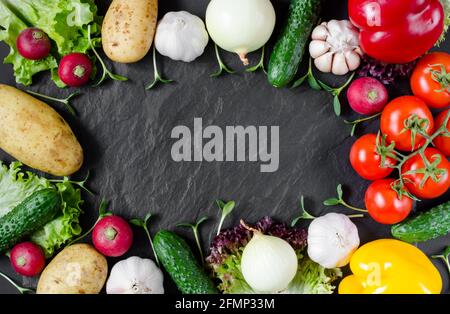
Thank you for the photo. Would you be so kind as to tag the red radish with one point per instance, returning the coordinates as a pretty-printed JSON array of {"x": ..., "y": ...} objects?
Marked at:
[
  {"x": 367, "y": 96},
  {"x": 27, "y": 259},
  {"x": 33, "y": 43},
  {"x": 112, "y": 236},
  {"x": 75, "y": 69}
]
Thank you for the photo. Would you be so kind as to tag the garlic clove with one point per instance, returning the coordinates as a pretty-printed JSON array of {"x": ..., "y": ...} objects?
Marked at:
[
  {"x": 320, "y": 32},
  {"x": 353, "y": 60},
  {"x": 339, "y": 64},
  {"x": 324, "y": 62},
  {"x": 318, "y": 48},
  {"x": 359, "y": 51},
  {"x": 335, "y": 28}
]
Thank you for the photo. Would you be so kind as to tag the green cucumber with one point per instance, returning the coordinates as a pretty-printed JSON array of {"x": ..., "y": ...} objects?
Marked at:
[
  {"x": 32, "y": 214},
  {"x": 290, "y": 47},
  {"x": 426, "y": 226},
  {"x": 179, "y": 261}
]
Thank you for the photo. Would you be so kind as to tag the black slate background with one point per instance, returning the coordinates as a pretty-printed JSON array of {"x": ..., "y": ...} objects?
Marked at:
[{"x": 125, "y": 132}]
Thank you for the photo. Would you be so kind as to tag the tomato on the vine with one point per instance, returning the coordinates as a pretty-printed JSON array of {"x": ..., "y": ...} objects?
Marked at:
[
  {"x": 427, "y": 181},
  {"x": 442, "y": 142},
  {"x": 386, "y": 205},
  {"x": 430, "y": 79},
  {"x": 403, "y": 118},
  {"x": 366, "y": 161}
]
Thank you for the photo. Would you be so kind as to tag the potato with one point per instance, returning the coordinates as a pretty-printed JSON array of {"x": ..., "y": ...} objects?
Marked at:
[
  {"x": 78, "y": 269},
  {"x": 35, "y": 134},
  {"x": 128, "y": 29}
]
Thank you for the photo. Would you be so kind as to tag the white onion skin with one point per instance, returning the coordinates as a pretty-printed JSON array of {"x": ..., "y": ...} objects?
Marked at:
[
  {"x": 268, "y": 263},
  {"x": 240, "y": 26}
]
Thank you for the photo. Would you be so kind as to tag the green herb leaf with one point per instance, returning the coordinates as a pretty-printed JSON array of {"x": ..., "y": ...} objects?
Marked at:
[
  {"x": 194, "y": 228},
  {"x": 337, "y": 105},
  {"x": 331, "y": 202},
  {"x": 339, "y": 191},
  {"x": 313, "y": 83},
  {"x": 226, "y": 209}
]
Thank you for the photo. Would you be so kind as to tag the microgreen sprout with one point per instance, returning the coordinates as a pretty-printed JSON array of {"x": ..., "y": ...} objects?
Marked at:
[
  {"x": 105, "y": 72},
  {"x": 340, "y": 201},
  {"x": 143, "y": 223},
  {"x": 194, "y": 227},
  {"x": 222, "y": 66},
  {"x": 444, "y": 257},
  {"x": 156, "y": 75},
  {"x": 226, "y": 209},
  {"x": 260, "y": 64},
  {"x": 21, "y": 290},
  {"x": 65, "y": 101}
]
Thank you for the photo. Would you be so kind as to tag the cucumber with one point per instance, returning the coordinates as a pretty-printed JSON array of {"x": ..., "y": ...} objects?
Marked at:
[
  {"x": 179, "y": 261},
  {"x": 32, "y": 214},
  {"x": 426, "y": 226},
  {"x": 290, "y": 47}
]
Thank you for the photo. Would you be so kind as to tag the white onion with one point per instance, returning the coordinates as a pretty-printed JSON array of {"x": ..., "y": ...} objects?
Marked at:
[
  {"x": 240, "y": 26},
  {"x": 268, "y": 263}
]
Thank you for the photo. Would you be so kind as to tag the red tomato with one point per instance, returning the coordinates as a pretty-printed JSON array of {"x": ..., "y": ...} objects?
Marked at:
[
  {"x": 442, "y": 142},
  {"x": 429, "y": 80},
  {"x": 430, "y": 189},
  {"x": 383, "y": 203},
  {"x": 396, "y": 114},
  {"x": 366, "y": 161}
]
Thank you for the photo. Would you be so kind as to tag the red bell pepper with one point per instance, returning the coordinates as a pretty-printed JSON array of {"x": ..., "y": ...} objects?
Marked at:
[{"x": 397, "y": 31}]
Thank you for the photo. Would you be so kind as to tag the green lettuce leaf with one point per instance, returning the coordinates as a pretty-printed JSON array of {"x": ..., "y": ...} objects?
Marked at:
[
  {"x": 16, "y": 185},
  {"x": 64, "y": 21}
]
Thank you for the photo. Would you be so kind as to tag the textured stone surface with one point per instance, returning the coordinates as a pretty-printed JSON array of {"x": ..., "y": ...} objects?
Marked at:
[{"x": 125, "y": 132}]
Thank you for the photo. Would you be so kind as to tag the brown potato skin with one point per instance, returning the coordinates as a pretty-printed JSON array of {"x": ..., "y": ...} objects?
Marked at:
[
  {"x": 78, "y": 269},
  {"x": 128, "y": 29},
  {"x": 35, "y": 134}
]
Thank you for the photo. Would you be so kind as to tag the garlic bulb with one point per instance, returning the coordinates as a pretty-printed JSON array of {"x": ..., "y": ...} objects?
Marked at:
[
  {"x": 181, "y": 36},
  {"x": 335, "y": 47},
  {"x": 135, "y": 275},
  {"x": 268, "y": 263},
  {"x": 332, "y": 239}
]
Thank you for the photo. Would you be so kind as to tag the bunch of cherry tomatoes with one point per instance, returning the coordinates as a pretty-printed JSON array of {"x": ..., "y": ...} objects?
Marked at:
[{"x": 408, "y": 132}]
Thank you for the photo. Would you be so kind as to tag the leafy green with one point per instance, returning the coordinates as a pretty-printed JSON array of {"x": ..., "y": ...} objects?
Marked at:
[
  {"x": 227, "y": 248},
  {"x": 446, "y": 6},
  {"x": 64, "y": 21},
  {"x": 16, "y": 185}
]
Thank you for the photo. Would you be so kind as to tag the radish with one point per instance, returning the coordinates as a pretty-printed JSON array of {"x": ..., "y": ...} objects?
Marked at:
[
  {"x": 112, "y": 236},
  {"x": 27, "y": 259},
  {"x": 33, "y": 43},
  {"x": 367, "y": 96},
  {"x": 75, "y": 69}
]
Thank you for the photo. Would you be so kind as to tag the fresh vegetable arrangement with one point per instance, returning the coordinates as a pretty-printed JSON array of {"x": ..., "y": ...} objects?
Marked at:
[
  {"x": 72, "y": 20},
  {"x": 24, "y": 193},
  {"x": 407, "y": 160}
]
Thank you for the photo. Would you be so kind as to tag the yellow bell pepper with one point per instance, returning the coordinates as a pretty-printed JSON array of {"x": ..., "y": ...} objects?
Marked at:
[{"x": 391, "y": 266}]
